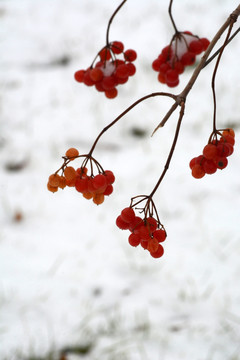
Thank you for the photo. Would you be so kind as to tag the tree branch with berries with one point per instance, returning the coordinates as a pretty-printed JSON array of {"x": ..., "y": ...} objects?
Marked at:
[{"x": 112, "y": 67}]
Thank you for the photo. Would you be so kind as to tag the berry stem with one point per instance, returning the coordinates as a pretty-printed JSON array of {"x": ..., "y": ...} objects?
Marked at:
[
  {"x": 126, "y": 111},
  {"x": 111, "y": 19},
  {"x": 169, "y": 158},
  {"x": 171, "y": 17},
  {"x": 215, "y": 72}
]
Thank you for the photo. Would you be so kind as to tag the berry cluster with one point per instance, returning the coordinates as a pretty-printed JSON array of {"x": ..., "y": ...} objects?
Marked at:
[
  {"x": 214, "y": 154},
  {"x": 147, "y": 232},
  {"x": 109, "y": 71},
  {"x": 94, "y": 187},
  {"x": 181, "y": 52}
]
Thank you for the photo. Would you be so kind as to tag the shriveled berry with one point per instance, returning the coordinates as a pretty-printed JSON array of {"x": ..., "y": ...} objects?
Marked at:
[
  {"x": 54, "y": 180},
  {"x": 70, "y": 173}
]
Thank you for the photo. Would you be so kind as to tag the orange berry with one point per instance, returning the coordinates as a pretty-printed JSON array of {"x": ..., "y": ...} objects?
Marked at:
[
  {"x": 51, "y": 188},
  {"x": 70, "y": 173},
  {"x": 228, "y": 132},
  {"x": 87, "y": 195},
  {"x": 197, "y": 171},
  {"x": 62, "y": 182},
  {"x": 54, "y": 180},
  {"x": 98, "y": 198},
  {"x": 71, "y": 182},
  {"x": 72, "y": 153}
]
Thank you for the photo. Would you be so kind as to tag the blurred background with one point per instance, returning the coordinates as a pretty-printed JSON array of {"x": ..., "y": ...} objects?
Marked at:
[{"x": 69, "y": 281}]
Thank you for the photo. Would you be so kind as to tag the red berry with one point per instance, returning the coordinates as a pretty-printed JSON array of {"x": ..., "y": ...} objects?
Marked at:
[
  {"x": 161, "y": 78},
  {"x": 196, "y": 47},
  {"x": 160, "y": 235},
  {"x": 151, "y": 224},
  {"x": 135, "y": 225},
  {"x": 110, "y": 176},
  {"x": 81, "y": 185},
  {"x": 205, "y": 42},
  {"x": 111, "y": 94},
  {"x": 79, "y": 75},
  {"x": 122, "y": 71},
  {"x": 131, "y": 69},
  {"x": 130, "y": 55},
  {"x": 108, "y": 83},
  {"x": 224, "y": 149},
  {"x": 156, "y": 64},
  {"x": 152, "y": 245},
  {"x": 134, "y": 239},
  {"x": 171, "y": 76},
  {"x": 164, "y": 68},
  {"x": 86, "y": 78},
  {"x": 108, "y": 190},
  {"x": 210, "y": 151},
  {"x": 99, "y": 87},
  {"x": 128, "y": 215},
  {"x": 209, "y": 166},
  {"x": 99, "y": 182},
  {"x": 222, "y": 162},
  {"x": 179, "y": 67},
  {"x": 188, "y": 58},
  {"x": 144, "y": 244},
  {"x": 192, "y": 163},
  {"x": 96, "y": 74},
  {"x": 121, "y": 223},
  {"x": 117, "y": 47},
  {"x": 167, "y": 52},
  {"x": 158, "y": 253},
  {"x": 105, "y": 54},
  {"x": 197, "y": 171}
]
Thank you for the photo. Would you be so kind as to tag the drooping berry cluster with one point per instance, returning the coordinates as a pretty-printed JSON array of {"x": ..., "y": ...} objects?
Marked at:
[
  {"x": 214, "y": 154},
  {"x": 174, "y": 58},
  {"x": 109, "y": 71},
  {"x": 94, "y": 187},
  {"x": 147, "y": 232}
]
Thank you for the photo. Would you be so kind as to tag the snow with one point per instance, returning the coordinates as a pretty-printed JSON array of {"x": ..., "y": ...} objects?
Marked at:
[{"x": 68, "y": 274}]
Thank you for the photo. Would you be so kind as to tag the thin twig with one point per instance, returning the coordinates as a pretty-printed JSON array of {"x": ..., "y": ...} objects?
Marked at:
[
  {"x": 126, "y": 111},
  {"x": 111, "y": 19}
]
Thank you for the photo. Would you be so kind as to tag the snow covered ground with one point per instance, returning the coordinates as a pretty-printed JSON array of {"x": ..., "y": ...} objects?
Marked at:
[{"x": 68, "y": 276}]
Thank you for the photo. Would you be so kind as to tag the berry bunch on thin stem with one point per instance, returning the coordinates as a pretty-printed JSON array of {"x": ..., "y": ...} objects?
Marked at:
[
  {"x": 180, "y": 53},
  {"x": 93, "y": 186},
  {"x": 146, "y": 231},
  {"x": 110, "y": 70}
]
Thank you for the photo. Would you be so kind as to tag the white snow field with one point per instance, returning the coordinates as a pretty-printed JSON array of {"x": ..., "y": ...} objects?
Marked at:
[{"x": 68, "y": 277}]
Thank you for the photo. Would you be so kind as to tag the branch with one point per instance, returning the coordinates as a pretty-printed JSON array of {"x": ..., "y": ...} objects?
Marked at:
[{"x": 183, "y": 95}]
